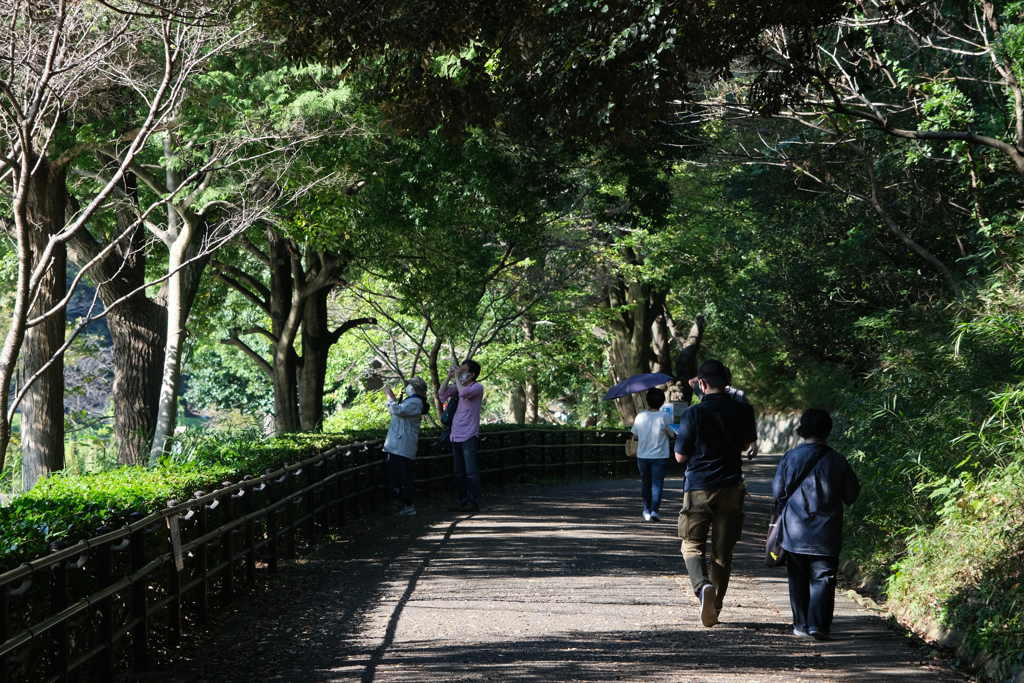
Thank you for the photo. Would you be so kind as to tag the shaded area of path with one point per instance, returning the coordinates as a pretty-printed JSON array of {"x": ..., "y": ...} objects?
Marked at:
[{"x": 547, "y": 583}]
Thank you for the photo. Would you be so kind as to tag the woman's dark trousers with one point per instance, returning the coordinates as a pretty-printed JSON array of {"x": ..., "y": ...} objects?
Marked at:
[{"x": 812, "y": 591}]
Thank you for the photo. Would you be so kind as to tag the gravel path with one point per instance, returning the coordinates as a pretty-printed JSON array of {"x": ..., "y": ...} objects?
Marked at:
[{"x": 546, "y": 583}]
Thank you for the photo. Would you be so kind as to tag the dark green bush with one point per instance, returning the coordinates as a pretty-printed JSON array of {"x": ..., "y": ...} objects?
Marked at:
[
  {"x": 70, "y": 508},
  {"x": 937, "y": 437}
]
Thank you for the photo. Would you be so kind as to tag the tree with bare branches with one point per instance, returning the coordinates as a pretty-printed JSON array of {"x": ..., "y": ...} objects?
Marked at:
[{"x": 60, "y": 62}]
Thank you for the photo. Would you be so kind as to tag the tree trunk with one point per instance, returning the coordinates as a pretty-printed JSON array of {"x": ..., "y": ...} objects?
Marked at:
[
  {"x": 517, "y": 404},
  {"x": 285, "y": 361},
  {"x": 138, "y": 331},
  {"x": 139, "y": 335},
  {"x": 630, "y": 350},
  {"x": 531, "y": 391},
  {"x": 316, "y": 344},
  {"x": 662, "y": 340},
  {"x": 686, "y": 361},
  {"x": 186, "y": 231},
  {"x": 42, "y": 410},
  {"x": 179, "y": 295},
  {"x": 435, "y": 379}
]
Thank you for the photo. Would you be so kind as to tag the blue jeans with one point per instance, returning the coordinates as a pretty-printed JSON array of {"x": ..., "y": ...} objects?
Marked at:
[
  {"x": 467, "y": 470},
  {"x": 652, "y": 478}
]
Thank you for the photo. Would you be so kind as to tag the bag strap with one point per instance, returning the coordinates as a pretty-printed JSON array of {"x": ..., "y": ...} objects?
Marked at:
[{"x": 811, "y": 465}]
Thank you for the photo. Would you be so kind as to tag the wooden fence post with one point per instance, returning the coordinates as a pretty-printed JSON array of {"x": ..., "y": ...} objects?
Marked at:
[
  {"x": 271, "y": 524},
  {"x": 174, "y": 589},
  {"x": 5, "y": 624},
  {"x": 249, "y": 504},
  {"x": 202, "y": 566},
  {"x": 289, "y": 508},
  {"x": 59, "y": 603},
  {"x": 342, "y": 501},
  {"x": 311, "y": 493},
  {"x": 227, "y": 544},
  {"x": 543, "y": 455},
  {"x": 105, "y": 577},
  {"x": 140, "y": 634}
]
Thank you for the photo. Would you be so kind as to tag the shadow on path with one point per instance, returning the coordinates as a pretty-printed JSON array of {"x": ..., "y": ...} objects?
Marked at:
[{"x": 553, "y": 583}]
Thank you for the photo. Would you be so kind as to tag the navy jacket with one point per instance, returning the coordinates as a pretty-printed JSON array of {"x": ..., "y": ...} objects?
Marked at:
[
  {"x": 713, "y": 433},
  {"x": 812, "y": 523}
]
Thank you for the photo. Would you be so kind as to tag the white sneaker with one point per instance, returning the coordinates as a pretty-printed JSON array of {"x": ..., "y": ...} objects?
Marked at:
[
  {"x": 655, "y": 516},
  {"x": 407, "y": 511},
  {"x": 708, "y": 610},
  {"x": 647, "y": 516}
]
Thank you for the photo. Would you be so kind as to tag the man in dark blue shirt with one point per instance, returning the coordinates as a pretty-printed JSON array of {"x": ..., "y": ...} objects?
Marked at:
[{"x": 713, "y": 435}]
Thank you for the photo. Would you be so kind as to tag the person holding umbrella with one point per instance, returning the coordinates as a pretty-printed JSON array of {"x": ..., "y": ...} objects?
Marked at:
[{"x": 652, "y": 455}]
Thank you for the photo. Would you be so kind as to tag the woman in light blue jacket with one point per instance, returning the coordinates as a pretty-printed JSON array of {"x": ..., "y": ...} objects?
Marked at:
[{"x": 403, "y": 440}]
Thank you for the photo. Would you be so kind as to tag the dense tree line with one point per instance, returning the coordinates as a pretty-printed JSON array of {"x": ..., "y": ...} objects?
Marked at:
[{"x": 393, "y": 188}]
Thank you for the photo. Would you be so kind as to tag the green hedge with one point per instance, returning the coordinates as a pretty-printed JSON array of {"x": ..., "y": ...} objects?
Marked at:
[{"x": 70, "y": 508}]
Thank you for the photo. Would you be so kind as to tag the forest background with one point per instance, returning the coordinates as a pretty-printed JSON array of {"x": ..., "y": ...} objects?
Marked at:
[{"x": 244, "y": 220}]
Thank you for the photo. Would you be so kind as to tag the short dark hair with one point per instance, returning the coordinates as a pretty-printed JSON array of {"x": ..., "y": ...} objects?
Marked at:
[
  {"x": 714, "y": 373},
  {"x": 655, "y": 398},
  {"x": 473, "y": 366},
  {"x": 815, "y": 422}
]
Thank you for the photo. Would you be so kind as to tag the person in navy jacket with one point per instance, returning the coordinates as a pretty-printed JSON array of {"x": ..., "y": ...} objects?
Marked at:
[{"x": 811, "y": 525}]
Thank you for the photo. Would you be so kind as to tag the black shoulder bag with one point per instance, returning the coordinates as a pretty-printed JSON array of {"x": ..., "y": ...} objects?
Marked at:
[
  {"x": 448, "y": 416},
  {"x": 774, "y": 553}
]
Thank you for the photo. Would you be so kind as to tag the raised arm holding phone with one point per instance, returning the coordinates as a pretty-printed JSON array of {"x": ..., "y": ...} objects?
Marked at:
[{"x": 465, "y": 434}]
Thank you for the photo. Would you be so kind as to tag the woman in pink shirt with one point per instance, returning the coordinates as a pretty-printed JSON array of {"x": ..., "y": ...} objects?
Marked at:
[{"x": 465, "y": 432}]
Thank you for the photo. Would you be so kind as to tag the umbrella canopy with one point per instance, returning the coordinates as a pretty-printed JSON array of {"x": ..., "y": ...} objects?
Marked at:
[{"x": 636, "y": 383}]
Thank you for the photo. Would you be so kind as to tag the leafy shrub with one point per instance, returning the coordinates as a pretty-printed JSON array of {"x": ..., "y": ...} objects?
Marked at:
[
  {"x": 70, "y": 507},
  {"x": 938, "y": 441}
]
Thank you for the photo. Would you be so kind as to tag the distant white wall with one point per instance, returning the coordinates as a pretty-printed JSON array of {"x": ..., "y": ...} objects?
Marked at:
[{"x": 777, "y": 433}]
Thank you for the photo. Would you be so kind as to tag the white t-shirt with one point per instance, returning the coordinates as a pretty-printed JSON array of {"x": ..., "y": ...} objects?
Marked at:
[{"x": 654, "y": 432}]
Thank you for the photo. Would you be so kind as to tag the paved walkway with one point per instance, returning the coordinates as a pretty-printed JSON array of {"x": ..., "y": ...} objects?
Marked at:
[{"x": 547, "y": 583}]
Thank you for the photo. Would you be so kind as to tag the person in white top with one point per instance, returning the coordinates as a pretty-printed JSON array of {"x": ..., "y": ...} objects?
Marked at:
[{"x": 653, "y": 452}]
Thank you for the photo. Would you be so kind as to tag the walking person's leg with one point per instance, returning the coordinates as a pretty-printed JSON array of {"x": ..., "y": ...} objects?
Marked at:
[
  {"x": 658, "y": 468},
  {"x": 726, "y": 529},
  {"x": 459, "y": 466},
  {"x": 401, "y": 482},
  {"x": 469, "y": 452},
  {"x": 798, "y": 569},
  {"x": 694, "y": 524},
  {"x": 822, "y": 592},
  {"x": 394, "y": 476},
  {"x": 644, "y": 465}
]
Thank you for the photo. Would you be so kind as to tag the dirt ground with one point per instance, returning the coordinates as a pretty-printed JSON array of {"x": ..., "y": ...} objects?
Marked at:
[{"x": 546, "y": 583}]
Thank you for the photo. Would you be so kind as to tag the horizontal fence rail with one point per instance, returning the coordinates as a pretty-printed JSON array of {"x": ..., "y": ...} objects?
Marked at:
[{"x": 89, "y": 611}]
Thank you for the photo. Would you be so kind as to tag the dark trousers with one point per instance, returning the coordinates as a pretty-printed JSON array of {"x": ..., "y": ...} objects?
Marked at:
[
  {"x": 812, "y": 590},
  {"x": 400, "y": 478}
]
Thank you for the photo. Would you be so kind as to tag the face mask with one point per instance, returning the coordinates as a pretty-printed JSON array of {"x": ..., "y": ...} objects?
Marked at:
[
  {"x": 409, "y": 391},
  {"x": 463, "y": 377}
]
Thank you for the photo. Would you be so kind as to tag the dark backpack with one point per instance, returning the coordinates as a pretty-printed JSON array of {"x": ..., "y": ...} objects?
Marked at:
[{"x": 448, "y": 416}]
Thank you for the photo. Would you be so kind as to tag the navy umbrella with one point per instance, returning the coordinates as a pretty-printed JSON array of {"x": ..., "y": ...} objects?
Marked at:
[{"x": 636, "y": 383}]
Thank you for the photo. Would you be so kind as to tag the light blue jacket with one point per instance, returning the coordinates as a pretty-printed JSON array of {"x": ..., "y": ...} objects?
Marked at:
[{"x": 404, "y": 430}]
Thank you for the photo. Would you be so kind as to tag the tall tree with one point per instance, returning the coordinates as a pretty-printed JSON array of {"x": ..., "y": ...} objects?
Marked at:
[
  {"x": 292, "y": 292},
  {"x": 582, "y": 69},
  {"x": 58, "y": 62}
]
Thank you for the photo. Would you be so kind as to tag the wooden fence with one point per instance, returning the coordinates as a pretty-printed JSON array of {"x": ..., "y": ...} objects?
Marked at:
[{"x": 89, "y": 611}]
